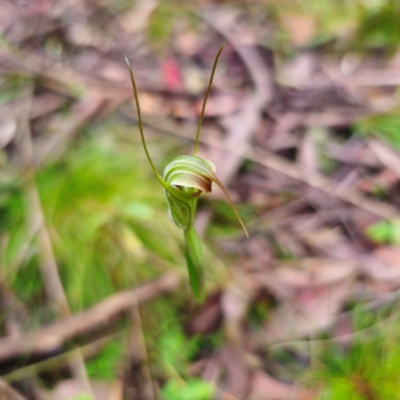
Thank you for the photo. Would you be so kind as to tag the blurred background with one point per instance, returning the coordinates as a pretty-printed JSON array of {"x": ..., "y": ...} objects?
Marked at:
[{"x": 303, "y": 125}]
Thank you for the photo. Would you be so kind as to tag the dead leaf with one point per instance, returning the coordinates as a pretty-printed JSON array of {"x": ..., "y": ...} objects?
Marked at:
[
  {"x": 311, "y": 293},
  {"x": 299, "y": 72},
  {"x": 71, "y": 388},
  {"x": 307, "y": 156},
  {"x": 135, "y": 19},
  {"x": 384, "y": 264},
  {"x": 8, "y": 127},
  {"x": 237, "y": 380},
  {"x": 207, "y": 317},
  {"x": 386, "y": 155},
  {"x": 264, "y": 387},
  {"x": 313, "y": 272},
  {"x": 46, "y": 103},
  {"x": 220, "y": 105},
  {"x": 153, "y": 104},
  {"x": 301, "y": 28}
]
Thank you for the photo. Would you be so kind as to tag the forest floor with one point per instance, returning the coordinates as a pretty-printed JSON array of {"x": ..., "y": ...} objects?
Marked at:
[{"x": 303, "y": 126}]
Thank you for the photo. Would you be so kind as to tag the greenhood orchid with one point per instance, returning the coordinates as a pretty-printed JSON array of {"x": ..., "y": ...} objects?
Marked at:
[{"x": 184, "y": 179}]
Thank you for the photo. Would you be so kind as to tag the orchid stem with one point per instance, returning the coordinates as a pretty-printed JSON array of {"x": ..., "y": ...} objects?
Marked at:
[{"x": 195, "y": 262}]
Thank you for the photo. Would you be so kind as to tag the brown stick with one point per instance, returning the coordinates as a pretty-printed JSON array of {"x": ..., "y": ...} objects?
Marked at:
[
  {"x": 138, "y": 371},
  {"x": 281, "y": 165},
  {"x": 8, "y": 393},
  {"x": 53, "y": 336},
  {"x": 47, "y": 262},
  {"x": 64, "y": 359}
]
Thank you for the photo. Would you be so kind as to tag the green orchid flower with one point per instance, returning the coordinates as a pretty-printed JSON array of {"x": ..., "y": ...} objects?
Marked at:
[{"x": 184, "y": 179}]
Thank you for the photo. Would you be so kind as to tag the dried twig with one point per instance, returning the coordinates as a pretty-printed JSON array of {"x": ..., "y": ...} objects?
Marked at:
[
  {"x": 281, "y": 165},
  {"x": 322, "y": 182},
  {"x": 52, "y": 337},
  {"x": 58, "y": 361},
  {"x": 389, "y": 157},
  {"x": 138, "y": 371},
  {"x": 50, "y": 148},
  {"x": 48, "y": 265},
  {"x": 8, "y": 393}
]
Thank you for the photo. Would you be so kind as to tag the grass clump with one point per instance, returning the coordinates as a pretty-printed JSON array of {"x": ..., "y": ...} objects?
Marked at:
[{"x": 366, "y": 369}]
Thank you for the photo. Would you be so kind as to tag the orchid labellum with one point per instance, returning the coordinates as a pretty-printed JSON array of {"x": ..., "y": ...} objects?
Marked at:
[{"x": 185, "y": 178}]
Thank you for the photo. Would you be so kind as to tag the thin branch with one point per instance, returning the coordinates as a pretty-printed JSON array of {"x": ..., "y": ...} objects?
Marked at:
[
  {"x": 281, "y": 165},
  {"x": 8, "y": 393},
  {"x": 52, "y": 337},
  {"x": 48, "y": 266},
  {"x": 58, "y": 361},
  {"x": 138, "y": 359}
]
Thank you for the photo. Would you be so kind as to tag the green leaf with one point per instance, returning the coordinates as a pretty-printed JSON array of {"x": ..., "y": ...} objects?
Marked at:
[
  {"x": 82, "y": 396},
  {"x": 385, "y": 126},
  {"x": 384, "y": 232},
  {"x": 192, "y": 389}
]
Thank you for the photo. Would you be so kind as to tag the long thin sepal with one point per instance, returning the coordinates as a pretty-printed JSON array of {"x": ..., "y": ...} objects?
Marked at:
[
  {"x": 196, "y": 145},
  {"x": 219, "y": 183},
  {"x": 194, "y": 260},
  {"x": 136, "y": 97}
]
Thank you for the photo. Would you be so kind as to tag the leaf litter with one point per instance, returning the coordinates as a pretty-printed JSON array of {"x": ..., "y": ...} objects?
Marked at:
[{"x": 292, "y": 87}]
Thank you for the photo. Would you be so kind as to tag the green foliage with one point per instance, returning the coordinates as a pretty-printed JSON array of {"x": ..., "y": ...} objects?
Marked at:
[
  {"x": 161, "y": 22},
  {"x": 175, "y": 353},
  {"x": 12, "y": 228},
  {"x": 160, "y": 25},
  {"x": 386, "y": 126},
  {"x": 184, "y": 179},
  {"x": 380, "y": 26},
  {"x": 93, "y": 202},
  {"x": 29, "y": 285},
  {"x": 104, "y": 365},
  {"x": 174, "y": 349},
  {"x": 258, "y": 314},
  {"x": 191, "y": 389},
  {"x": 368, "y": 369},
  {"x": 103, "y": 217},
  {"x": 110, "y": 231},
  {"x": 357, "y": 25},
  {"x": 13, "y": 88},
  {"x": 194, "y": 261},
  {"x": 384, "y": 232},
  {"x": 82, "y": 396}
]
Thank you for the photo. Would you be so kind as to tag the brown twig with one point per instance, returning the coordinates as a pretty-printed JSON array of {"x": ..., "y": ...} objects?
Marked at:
[
  {"x": 321, "y": 182},
  {"x": 52, "y": 337},
  {"x": 51, "y": 148},
  {"x": 8, "y": 393},
  {"x": 281, "y": 165},
  {"x": 36, "y": 220},
  {"x": 58, "y": 361},
  {"x": 138, "y": 371}
]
